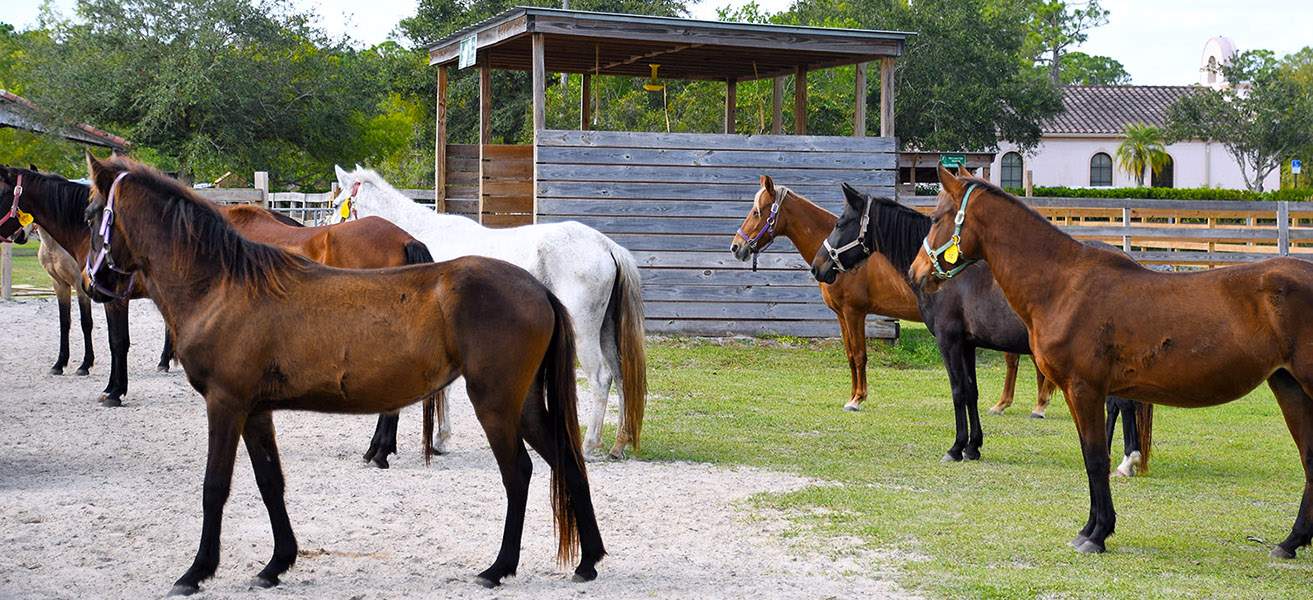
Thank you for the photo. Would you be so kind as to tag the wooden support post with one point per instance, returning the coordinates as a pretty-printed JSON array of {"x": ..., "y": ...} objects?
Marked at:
[
  {"x": 539, "y": 84},
  {"x": 1283, "y": 227},
  {"x": 886, "y": 97},
  {"x": 485, "y": 103},
  {"x": 586, "y": 103},
  {"x": 261, "y": 182},
  {"x": 1029, "y": 183},
  {"x": 984, "y": 173},
  {"x": 440, "y": 146},
  {"x": 731, "y": 103},
  {"x": 7, "y": 271},
  {"x": 1126, "y": 230},
  {"x": 859, "y": 102},
  {"x": 800, "y": 101},
  {"x": 777, "y": 106}
]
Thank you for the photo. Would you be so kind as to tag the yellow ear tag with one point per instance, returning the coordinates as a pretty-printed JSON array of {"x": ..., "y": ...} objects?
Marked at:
[
  {"x": 345, "y": 212},
  {"x": 24, "y": 219},
  {"x": 950, "y": 255}
]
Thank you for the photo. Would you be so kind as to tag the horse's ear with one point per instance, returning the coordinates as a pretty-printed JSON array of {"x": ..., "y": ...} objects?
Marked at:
[
  {"x": 950, "y": 182},
  {"x": 97, "y": 172},
  {"x": 342, "y": 175},
  {"x": 768, "y": 184},
  {"x": 32, "y": 167},
  {"x": 962, "y": 171},
  {"x": 855, "y": 198}
]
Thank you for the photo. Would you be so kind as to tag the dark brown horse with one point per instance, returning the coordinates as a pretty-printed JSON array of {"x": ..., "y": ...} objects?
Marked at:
[
  {"x": 1101, "y": 324},
  {"x": 875, "y": 287},
  {"x": 58, "y": 206},
  {"x": 259, "y": 329}
]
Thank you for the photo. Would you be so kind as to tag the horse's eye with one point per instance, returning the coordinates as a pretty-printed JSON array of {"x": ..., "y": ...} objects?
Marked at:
[{"x": 756, "y": 212}]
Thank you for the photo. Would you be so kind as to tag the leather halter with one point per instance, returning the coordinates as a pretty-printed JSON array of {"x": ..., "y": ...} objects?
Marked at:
[
  {"x": 956, "y": 240},
  {"x": 836, "y": 254},
  {"x": 771, "y": 221},
  {"x": 14, "y": 213},
  {"x": 103, "y": 258}
]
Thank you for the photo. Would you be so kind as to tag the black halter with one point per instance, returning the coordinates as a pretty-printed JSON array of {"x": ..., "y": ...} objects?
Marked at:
[{"x": 836, "y": 254}]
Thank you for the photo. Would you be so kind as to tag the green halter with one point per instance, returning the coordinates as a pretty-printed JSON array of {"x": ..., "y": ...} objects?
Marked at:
[{"x": 953, "y": 244}]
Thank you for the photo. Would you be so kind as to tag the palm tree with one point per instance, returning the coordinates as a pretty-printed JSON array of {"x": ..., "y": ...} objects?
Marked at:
[{"x": 1142, "y": 150}]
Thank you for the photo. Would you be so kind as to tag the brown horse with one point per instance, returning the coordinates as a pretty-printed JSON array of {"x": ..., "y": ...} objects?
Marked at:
[
  {"x": 1101, "y": 324},
  {"x": 876, "y": 287},
  {"x": 259, "y": 329}
]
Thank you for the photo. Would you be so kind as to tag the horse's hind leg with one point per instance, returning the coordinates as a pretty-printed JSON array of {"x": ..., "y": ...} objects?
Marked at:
[
  {"x": 263, "y": 449},
  {"x": 599, "y": 386},
  {"x": 166, "y": 354},
  {"x": 1044, "y": 394},
  {"x": 384, "y": 441},
  {"x": 516, "y": 469},
  {"x": 1087, "y": 409},
  {"x": 88, "y": 352},
  {"x": 63, "y": 293},
  {"x": 1297, "y": 407},
  {"x": 1009, "y": 385},
  {"x": 225, "y": 428}
]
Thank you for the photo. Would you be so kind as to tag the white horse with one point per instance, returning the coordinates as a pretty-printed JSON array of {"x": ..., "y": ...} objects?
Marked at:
[{"x": 595, "y": 278}]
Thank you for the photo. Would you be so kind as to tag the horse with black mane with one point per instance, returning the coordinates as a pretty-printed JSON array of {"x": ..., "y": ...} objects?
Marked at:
[
  {"x": 1100, "y": 324},
  {"x": 259, "y": 329},
  {"x": 969, "y": 313}
]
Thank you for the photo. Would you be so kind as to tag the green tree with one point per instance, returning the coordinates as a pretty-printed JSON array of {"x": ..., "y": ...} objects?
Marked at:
[
  {"x": 203, "y": 87},
  {"x": 1142, "y": 150},
  {"x": 1079, "y": 68},
  {"x": 1263, "y": 117},
  {"x": 1056, "y": 25}
]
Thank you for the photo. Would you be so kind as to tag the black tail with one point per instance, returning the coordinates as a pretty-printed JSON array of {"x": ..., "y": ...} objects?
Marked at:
[
  {"x": 563, "y": 418},
  {"x": 417, "y": 253}
]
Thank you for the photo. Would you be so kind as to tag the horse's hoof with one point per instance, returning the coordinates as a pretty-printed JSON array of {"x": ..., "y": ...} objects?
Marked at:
[
  {"x": 163, "y": 368},
  {"x": 111, "y": 402},
  {"x": 485, "y": 582},
  {"x": 438, "y": 450},
  {"x": 381, "y": 461},
  {"x": 852, "y": 407},
  {"x": 583, "y": 577},
  {"x": 995, "y": 411},
  {"x": 1090, "y": 547},
  {"x": 948, "y": 458},
  {"x": 617, "y": 455},
  {"x": 1037, "y": 415},
  {"x": 1078, "y": 540},
  {"x": 56, "y": 370},
  {"x": 263, "y": 582},
  {"x": 83, "y": 372},
  {"x": 1280, "y": 552},
  {"x": 969, "y": 455},
  {"x": 181, "y": 589}
]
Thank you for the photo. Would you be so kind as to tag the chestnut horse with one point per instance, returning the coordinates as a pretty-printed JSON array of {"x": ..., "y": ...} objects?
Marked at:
[
  {"x": 876, "y": 287},
  {"x": 1102, "y": 324},
  {"x": 58, "y": 205},
  {"x": 259, "y": 329},
  {"x": 967, "y": 314}
]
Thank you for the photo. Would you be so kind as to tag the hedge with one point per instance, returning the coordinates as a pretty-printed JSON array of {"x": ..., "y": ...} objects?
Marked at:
[{"x": 1151, "y": 193}]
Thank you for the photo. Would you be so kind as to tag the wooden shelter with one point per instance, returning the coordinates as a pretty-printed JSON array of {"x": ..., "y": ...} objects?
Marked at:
[{"x": 673, "y": 199}]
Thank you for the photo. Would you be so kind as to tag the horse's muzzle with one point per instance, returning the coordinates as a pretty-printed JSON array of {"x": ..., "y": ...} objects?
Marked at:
[{"x": 741, "y": 251}]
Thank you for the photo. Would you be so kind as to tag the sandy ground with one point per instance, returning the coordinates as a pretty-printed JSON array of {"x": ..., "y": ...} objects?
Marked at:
[{"x": 106, "y": 503}]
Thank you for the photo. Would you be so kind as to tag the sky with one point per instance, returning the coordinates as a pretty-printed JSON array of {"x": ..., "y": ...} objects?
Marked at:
[{"x": 1158, "y": 41}]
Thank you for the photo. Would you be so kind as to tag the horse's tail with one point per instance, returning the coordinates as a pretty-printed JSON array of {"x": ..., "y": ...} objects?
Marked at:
[
  {"x": 1144, "y": 430},
  {"x": 417, "y": 253},
  {"x": 563, "y": 419},
  {"x": 626, "y": 311},
  {"x": 434, "y": 404}
]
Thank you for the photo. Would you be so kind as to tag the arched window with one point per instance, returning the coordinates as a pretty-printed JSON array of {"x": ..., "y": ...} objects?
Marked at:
[
  {"x": 1101, "y": 170},
  {"x": 1164, "y": 177},
  {"x": 1012, "y": 168},
  {"x": 1212, "y": 70}
]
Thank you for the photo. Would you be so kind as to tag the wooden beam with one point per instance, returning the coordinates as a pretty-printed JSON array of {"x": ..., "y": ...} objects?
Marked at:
[
  {"x": 800, "y": 101},
  {"x": 440, "y": 146},
  {"x": 586, "y": 102},
  {"x": 485, "y": 103},
  {"x": 731, "y": 103},
  {"x": 886, "y": 97},
  {"x": 539, "y": 83},
  {"x": 859, "y": 101},
  {"x": 655, "y": 53},
  {"x": 777, "y": 106}
]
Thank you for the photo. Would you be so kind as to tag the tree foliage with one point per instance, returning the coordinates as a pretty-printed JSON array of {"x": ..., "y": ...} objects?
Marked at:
[
  {"x": 1263, "y": 117},
  {"x": 1079, "y": 68},
  {"x": 1057, "y": 25}
]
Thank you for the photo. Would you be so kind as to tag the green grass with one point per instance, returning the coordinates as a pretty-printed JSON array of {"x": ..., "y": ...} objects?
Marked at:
[
  {"x": 27, "y": 270},
  {"x": 999, "y": 527}
]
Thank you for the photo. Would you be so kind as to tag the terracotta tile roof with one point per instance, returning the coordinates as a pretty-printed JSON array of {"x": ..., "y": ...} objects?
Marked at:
[
  {"x": 1110, "y": 108},
  {"x": 26, "y": 117}
]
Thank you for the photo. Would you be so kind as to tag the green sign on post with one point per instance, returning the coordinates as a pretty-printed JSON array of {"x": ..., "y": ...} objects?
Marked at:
[{"x": 953, "y": 161}]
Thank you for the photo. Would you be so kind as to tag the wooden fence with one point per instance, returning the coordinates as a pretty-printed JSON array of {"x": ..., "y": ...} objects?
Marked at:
[{"x": 675, "y": 200}]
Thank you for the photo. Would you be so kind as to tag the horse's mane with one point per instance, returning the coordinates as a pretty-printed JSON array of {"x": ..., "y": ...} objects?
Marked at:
[
  {"x": 899, "y": 231},
  {"x": 64, "y": 200},
  {"x": 200, "y": 232}
]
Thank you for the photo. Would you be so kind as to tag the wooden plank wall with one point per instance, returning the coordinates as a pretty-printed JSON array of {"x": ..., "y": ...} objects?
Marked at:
[
  {"x": 507, "y": 178},
  {"x": 675, "y": 201}
]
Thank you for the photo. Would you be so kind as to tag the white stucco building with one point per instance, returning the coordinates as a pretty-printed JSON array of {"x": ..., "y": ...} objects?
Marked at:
[{"x": 1078, "y": 147}]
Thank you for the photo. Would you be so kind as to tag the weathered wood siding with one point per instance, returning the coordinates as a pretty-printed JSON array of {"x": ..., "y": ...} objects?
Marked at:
[
  {"x": 675, "y": 201},
  {"x": 506, "y": 185}
]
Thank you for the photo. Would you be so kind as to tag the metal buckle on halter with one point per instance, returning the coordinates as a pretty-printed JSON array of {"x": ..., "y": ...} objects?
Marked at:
[
  {"x": 103, "y": 257},
  {"x": 835, "y": 253},
  {"x": 956, "y": 240},
  {"x": 771, "y": 220}
]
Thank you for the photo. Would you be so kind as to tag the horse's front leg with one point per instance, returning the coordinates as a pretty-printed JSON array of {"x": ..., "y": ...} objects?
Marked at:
[
  {"x": 63, "y": 294},
  {"x": 88, "y": 351},
  {"x": 852, "y": 324},
  {"x": 263, "y": 449},
  {"x": 1009, "y": 385},
  {"x": 226, "y": 425},
  {"x": 116, "y": 321},
  {"x": 971, "y": 402},
  {"x": 1086, "y": 402}
]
